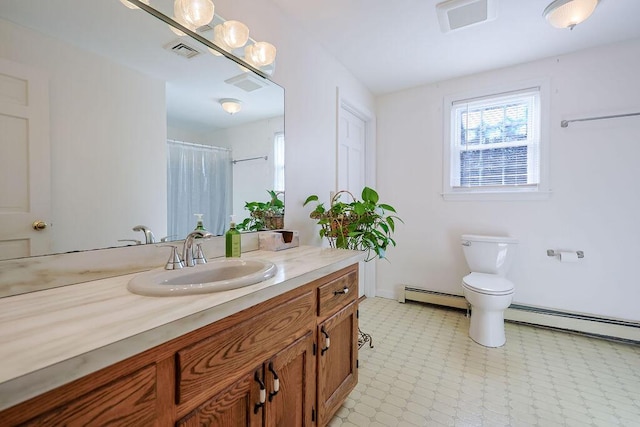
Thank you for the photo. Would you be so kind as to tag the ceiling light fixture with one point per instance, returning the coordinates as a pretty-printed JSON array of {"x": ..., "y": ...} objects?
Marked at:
[
  {"x": 569, "y": 13},
  {"x": 231, "y": 105},
  {"x": 260, "y": 54},
  {"x": 195, "y": 12}
]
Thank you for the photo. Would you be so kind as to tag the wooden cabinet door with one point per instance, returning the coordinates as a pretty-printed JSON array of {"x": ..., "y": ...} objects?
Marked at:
[
  {"x": 237, "y": 406},
  {"x": 337, "y": 361},
  {"x": 290, "y": 382}
]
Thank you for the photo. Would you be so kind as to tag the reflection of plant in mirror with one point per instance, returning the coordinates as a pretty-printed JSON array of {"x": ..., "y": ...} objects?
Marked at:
[
  {"x": 363, "y": 225},
  {"x": 264, "y": 215}
]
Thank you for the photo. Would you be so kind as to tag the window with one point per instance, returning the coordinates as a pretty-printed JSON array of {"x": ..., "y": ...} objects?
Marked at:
[
  {"x": 494, "y": 144},
  {"x": 278, "y": 161}
]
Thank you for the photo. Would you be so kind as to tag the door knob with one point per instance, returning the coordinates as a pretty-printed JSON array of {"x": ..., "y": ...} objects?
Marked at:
[{"x": 39, "y": 225}]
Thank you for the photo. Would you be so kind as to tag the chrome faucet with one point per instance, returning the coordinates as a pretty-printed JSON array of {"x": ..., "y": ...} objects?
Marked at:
[
  {"x": 187, "y": 250},
  {"x": 148, "y": 235}
]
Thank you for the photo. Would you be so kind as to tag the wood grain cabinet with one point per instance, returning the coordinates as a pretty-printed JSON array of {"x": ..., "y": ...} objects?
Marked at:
[
  {"x": 289, "y": 361},
  {"x": 337, "y": 332}
]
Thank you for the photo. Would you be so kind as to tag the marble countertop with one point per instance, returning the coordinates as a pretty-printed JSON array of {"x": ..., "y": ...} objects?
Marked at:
[{"x": 51, "y": 337}]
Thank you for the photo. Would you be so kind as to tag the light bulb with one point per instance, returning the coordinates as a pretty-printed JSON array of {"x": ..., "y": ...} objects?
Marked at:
[
  {"x": 235, "y": 34},
  {"x": 178, "y": 16},
  {"x": 260, "y": 54},
  {"x": 195, "y": 12},
  {"x": 218, "y": 38}
]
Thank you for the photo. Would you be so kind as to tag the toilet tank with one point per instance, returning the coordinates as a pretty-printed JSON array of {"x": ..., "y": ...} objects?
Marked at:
[{"x": 489, "y": 254}]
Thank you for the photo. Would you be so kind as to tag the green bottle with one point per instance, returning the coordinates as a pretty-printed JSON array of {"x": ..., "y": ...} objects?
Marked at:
[{"x": 232, "y": 241}]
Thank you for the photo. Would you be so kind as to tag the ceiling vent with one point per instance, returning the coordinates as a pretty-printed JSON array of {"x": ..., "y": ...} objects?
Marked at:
[
  {"x": 180, "y": 48},
  {"x": 456, "y": 14},
  {"x": 247, "y": 82}
]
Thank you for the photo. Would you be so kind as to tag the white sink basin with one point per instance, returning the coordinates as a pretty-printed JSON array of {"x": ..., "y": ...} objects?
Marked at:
[{"x": 215, "y": 276}]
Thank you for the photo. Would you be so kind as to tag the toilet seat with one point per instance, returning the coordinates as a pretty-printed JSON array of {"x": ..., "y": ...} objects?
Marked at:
[{"x": 488, "y": 284}]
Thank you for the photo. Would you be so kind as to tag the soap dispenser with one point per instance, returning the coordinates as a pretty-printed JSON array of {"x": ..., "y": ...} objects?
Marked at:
[
  {"x": 199, "y": 224},
  {"x": 232, "y": 241}
]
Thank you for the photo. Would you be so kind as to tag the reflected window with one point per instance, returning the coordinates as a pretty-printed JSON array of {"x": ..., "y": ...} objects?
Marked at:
[{"x": 278, "y": 156}]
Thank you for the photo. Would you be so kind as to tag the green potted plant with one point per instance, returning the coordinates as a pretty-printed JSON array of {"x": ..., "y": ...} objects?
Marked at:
[
  {"x": 264, "y": 215},
  {"x": 366, "y": 224}
]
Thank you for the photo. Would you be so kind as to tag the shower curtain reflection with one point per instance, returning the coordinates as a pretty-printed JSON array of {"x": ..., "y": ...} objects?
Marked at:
[{"x": 199, "y": 181}]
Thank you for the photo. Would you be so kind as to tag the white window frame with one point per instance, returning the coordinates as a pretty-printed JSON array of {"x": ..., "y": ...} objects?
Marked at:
[
  {"x": 451, "y": 155},
  {"x": 278, "y": 161}
]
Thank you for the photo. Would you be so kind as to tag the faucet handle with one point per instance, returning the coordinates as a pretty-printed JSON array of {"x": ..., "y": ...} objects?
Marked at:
[
  {"x": 174, "y": 262},
  {"x": 199, "y": 257}
]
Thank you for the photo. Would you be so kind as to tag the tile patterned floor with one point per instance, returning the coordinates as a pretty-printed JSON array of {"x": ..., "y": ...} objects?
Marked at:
[{"x": 424, "y": 370}]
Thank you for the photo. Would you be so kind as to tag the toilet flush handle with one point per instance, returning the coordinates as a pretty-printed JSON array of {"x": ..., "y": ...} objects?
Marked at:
[{"x": 466, "y": 243}]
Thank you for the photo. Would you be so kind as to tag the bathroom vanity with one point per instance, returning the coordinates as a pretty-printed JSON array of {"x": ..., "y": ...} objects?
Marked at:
[{"x": 280, "y": 352}]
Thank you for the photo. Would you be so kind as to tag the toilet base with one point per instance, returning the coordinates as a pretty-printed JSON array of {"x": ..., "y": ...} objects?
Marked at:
[{"x": 487, "y": 327}]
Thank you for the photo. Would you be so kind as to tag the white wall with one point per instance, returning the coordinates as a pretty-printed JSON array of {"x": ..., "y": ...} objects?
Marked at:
[
  {"x": 593, "y": 207},
  {"x": 251, "y": 179},
  {"x": 108, "y": 126},
  {"x": 310, "y": 78}
]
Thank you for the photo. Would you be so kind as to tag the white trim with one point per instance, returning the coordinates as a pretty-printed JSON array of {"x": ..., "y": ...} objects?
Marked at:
[
  {"x": 536, "y": 316},
  {"x": 496, "y": 196},
  {"x": 368, "y": 275}
]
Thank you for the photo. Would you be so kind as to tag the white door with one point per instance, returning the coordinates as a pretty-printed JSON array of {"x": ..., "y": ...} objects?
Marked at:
[
  {"x": 351, "y": 152},
  {"x": 24, "y": 161},
  {"x": 352, "y": 144}
]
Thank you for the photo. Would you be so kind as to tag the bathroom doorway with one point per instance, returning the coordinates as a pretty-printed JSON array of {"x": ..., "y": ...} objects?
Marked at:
[
  {"x": 355, "y": 166},
  {"x": 25, "y": 183}
]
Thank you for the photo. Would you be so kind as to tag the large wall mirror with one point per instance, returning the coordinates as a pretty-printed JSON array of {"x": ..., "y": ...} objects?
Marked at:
[{"x": 95, "y": 98}]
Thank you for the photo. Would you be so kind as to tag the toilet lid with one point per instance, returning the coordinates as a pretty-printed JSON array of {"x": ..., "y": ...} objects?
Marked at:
[{"x": 488, "y": 284}]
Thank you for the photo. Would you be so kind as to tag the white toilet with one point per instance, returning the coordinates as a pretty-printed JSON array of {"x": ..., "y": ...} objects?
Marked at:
[{"x": 486, "y": 288}]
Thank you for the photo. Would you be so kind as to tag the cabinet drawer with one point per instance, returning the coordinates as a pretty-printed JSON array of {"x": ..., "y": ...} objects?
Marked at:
[
  {"x": 212, "y": 364},
  {"x": 337, "y": 293}
]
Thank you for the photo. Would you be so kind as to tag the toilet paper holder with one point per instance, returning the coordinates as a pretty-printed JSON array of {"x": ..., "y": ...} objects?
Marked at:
[{"x": 551, "y": 252}]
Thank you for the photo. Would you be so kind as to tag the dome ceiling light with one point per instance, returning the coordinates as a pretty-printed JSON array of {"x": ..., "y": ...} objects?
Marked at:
[
  {"x": 231, "y": 105},
  {"x": 569, "y": 13}
]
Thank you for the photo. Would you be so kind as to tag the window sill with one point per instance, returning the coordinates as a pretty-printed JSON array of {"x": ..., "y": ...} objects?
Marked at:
[{"x": 495, "y": 195}]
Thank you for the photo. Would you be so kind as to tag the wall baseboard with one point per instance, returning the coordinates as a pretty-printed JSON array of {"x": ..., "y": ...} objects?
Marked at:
[{"x": 602, "y": 327}]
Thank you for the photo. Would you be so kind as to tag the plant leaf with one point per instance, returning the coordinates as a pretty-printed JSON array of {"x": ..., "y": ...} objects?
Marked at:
[
  {"x": 311, "y": 198},
  {"x": 370, "y": 195},
  {"x": 387, "y": 207}
]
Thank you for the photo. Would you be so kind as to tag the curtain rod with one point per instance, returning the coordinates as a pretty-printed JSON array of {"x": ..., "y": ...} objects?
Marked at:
[
  {"x": 565, "y": 123},
  {"x": 250, "y": 158},
  {"x": 193, "y": 144}
]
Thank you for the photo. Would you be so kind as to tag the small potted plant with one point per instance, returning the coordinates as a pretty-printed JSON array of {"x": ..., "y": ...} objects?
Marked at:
[
  {"x": 264, "y": 215},
  {"x": 366, "y": 224}
]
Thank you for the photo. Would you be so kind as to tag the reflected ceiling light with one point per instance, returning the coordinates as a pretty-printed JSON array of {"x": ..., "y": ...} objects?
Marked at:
[
  {"x": 260, "y": 54},
  {"x": 569, "y": 13},
  {"x": 231, "y": 105},
  {"x": 195, "y": 12},
  {"x": 131, "y": 5}
]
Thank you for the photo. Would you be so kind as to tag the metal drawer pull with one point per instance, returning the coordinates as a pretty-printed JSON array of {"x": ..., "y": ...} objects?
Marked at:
[
  {"x": 344, "y": 290},
  {"x": 276, "y": 382},
  {"x": 327, "y": 341},
  {"x": 263, "y": 394}
]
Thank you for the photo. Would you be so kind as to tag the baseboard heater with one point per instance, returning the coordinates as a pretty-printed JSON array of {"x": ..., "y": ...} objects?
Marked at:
[{"x": 575, "y": 322}]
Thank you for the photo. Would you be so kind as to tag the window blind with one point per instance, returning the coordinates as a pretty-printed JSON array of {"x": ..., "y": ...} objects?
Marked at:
[{"x": 495, "y": 140}]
